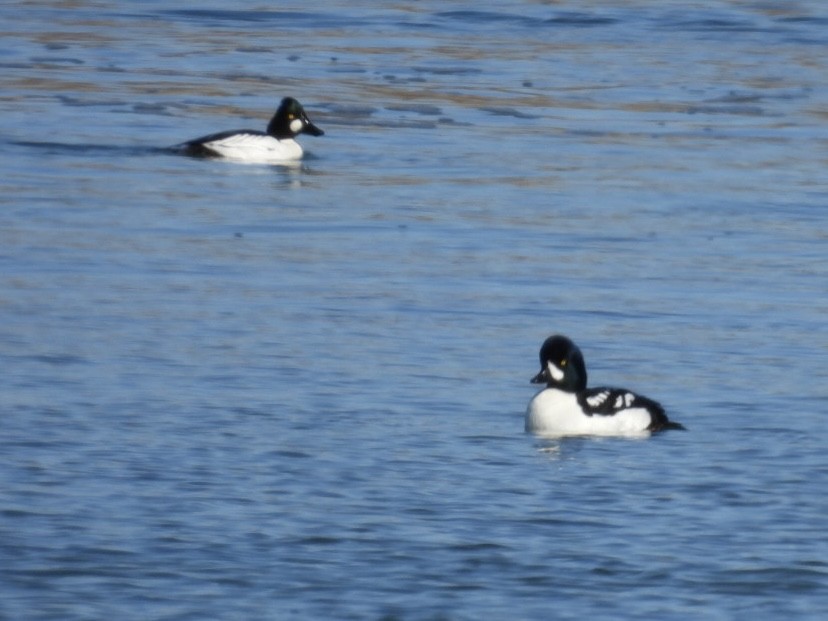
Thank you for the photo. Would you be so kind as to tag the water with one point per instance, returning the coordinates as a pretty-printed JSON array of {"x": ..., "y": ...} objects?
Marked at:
[{"x": 249, "y": 392}]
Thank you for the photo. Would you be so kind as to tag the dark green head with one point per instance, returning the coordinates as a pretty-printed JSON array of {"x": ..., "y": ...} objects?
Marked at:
[{"x": 290, "y": 120}]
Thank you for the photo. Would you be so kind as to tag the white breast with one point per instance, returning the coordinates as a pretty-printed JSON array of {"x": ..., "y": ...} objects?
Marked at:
[
  {"x": 554, "y": 412},
  {"x": 256, "y": 149}
]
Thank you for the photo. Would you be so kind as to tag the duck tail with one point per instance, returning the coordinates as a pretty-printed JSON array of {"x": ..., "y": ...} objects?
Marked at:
[
  {"x": 664, "y": 425},
  {"x": 660, "y": 422}
]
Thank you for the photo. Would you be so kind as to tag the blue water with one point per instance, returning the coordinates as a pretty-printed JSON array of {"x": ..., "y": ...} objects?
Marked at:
[{"x": 250, "y": 392}]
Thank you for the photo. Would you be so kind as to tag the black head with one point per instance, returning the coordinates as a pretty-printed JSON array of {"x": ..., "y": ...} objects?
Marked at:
[
  {"x": 562, "y": 365},
  {"x": 290, "y": 120}
]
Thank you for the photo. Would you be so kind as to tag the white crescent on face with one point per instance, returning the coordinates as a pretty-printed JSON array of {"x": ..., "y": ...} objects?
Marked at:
[
  {"x": 296, "y": 125},
  {"x": 556, "y": 373}
]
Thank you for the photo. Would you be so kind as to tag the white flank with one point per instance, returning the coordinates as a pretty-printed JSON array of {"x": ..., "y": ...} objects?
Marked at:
[
  {"x": 256, "y": 149},
  {"x": 556, "y": 413}
]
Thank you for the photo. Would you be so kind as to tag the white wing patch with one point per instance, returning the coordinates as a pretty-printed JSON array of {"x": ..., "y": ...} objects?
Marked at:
[
  {"x": 239, "y": 140},
  {"x": 624, "y": 401},
  {"x": 598, "y": 399}
]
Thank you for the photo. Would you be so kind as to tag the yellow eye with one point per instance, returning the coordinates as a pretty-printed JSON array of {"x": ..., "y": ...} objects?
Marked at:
[{"x": 563, "y": 362}]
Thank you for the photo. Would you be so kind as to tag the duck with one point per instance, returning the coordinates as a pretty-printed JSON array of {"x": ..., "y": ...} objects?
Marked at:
[
  {"x": 274, "y": 146},
  {"x": 566, "y": 407}
]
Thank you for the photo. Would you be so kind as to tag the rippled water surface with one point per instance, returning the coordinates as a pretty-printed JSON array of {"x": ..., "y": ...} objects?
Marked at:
[{"x": 251, "y": 392}]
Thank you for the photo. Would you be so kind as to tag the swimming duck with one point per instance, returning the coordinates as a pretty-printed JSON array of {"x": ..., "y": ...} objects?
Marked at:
[
  {"x": 567, "y": 407},
  {"x": 276, "y": 145}
]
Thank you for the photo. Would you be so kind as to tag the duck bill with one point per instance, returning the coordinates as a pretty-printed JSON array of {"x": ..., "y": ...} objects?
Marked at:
[
  {"x": 312, "y": 129},
  {"x": 541, "y": 378}
]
